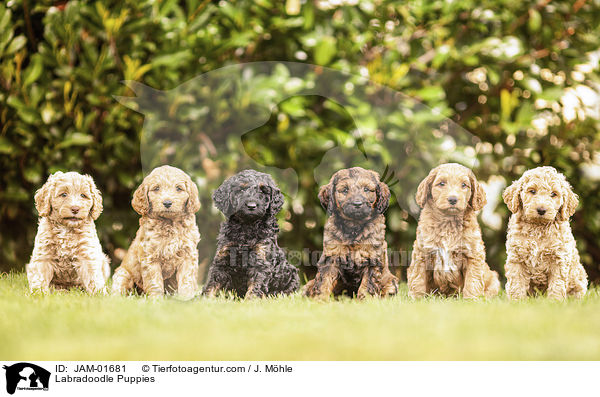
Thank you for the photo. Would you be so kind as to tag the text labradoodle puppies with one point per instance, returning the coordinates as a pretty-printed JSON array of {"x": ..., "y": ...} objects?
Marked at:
[
  {"x": 448, "y": 255},
  {"x": 248, "y": 260},
  {"x": 541, "y": 250},
  {"x": 163, "y": 257},
  {"x": 67, "y": 252},
  {"x": 354, "y": 256}
]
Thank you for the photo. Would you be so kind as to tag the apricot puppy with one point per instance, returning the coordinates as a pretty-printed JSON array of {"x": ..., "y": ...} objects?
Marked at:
[
  {"x": 67, "y": 251},
  {"x": 448, "y": 254},
  {"x": 163, "y": 257},
  {"x": 541, "y": 249}
]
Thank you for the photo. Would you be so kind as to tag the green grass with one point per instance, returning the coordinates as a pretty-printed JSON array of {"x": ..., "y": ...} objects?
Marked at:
[{"x": 74, "y": 326}]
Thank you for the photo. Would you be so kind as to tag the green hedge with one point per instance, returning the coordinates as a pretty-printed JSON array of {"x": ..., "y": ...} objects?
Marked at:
[{"x": 500, "y": 69}]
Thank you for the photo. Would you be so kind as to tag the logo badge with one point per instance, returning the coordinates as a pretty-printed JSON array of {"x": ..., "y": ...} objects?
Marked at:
[{"x": 26, "y": 376}]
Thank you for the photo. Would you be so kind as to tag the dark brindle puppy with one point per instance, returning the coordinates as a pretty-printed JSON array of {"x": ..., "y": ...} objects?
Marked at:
[
  {"x": 248, "y": 260},
  {"x": 354, "y": 256}
]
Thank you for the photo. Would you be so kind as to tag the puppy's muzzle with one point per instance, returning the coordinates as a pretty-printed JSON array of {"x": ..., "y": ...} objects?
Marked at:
[
  {"x": 251, "y": 205},
  {"x": 452, "y": 200},
  {"x": 167, "y": 203},
  {"x": 357, "y": 209},
  {"x": 541, "y": 211}
]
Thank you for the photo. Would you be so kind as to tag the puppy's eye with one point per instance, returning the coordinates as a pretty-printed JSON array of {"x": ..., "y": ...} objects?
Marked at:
[
  {"x": 464, "y": 185},
  {"x": 63, "y": 195},
  {"x": 442, "y": 184},
  {"x": 553, "y": 194},
  {"x": 532, "y": 191},
  {"x": 84, "y": 196},
  {"x": 179, "y": 189},
  {"x": 367, "y": 190},
  {"x": 156, "y": 188},
  {"x": 345, "y": 190}
]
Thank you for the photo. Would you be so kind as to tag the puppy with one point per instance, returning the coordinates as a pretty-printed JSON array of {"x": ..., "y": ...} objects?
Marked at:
[
  {"x": 448, "y": 254},
  {"x": 249, "y": 261},
  {"x": 67, "y": 252},
  {"x": 541, "y": 250},
  {"x": 163, "y": 257},
  {"x": 354, "y": 256}
]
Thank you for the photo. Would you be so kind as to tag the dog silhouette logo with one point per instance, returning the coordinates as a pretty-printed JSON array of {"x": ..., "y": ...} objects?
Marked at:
[{"x": 26, "y": 376}]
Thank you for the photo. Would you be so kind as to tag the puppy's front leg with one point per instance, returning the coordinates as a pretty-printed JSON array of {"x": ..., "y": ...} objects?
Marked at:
[
  {"x": 257, "y": 283},
  {"x": 369, "y": 284},
  {"x": 578, "y": 282},
  {"x": 40, "y": 269},
  {"x": 557, "y": 280},
  {"x": 389, "y": 282},
  {"x": 218, "y": 278},
  {"x": 517, "y": 281},
  {"x": 260, "y": 263},
  {"x": 187, "y": 277},
  {"x": 91, "y": 274},
  {"x": 474, "y": 283},
  {"x": 39, "y": 275},
  {"x": 122, "y": 281},
  {"x": 326, "y": 280},
  {"x": 417, "y": 275},
  {"x": 152, "y": 277}
]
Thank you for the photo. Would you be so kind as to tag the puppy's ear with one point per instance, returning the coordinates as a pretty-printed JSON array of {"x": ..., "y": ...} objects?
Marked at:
[
  {"x": 326, "y": 197},
  {"x": 193, "y": 203},
  {"x": 571, "y": 201},
  {"x": 140, "y": 202},
  {"x": 96, "y": 198},
  {"x": 424, "y": 189},
  {"x": 383, "y": 197},
  {"x": 276, "y": 200},
  {"x": 512, "y": 196},
  {"x": 221, "y": 198},
  {"x": 478, "y": 197},
  {"x": 44, "y": 194}
]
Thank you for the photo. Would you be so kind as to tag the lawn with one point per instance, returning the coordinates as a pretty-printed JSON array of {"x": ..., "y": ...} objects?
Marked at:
[{"x": 74, "y": 326}]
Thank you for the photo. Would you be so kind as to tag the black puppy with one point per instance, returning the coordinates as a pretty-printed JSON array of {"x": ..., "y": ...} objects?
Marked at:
[{"x": 248, "y": 260}]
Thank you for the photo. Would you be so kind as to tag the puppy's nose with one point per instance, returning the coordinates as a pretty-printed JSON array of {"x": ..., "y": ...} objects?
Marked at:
[
  {"x": 541, "y": 211},
  {"x": 452, "y": 200},
  {"x": 251, "y": 205},
  {"x": 167, "y": 203},
  {"x": 357, "y": 203},
  {"x": 74, "y": 210}
]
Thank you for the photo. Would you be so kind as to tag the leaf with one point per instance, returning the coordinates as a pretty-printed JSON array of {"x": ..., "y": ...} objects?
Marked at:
[
  {"x": 505, "y": 104},
  {"x": 431, "y": 93},
  {"x": 33, "y": 72},
  {"x": 535, "y": 21},
  {"x": 76, "y": 139},
  {"x": 180, "y": 57},
  {"x": 6, "y": 147},
  {"x": 26, "y": 113},
  {"x": 325, "y": 50},
  {"x": 4, "y": 18},
  {"x": 15, "y": 45}
]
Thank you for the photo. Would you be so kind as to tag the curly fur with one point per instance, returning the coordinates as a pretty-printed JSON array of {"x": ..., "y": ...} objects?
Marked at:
[
  {"x": 541, "y": 249},
  {"x": 67, "y": 252},
  {"x": 354, "y": 259},
  {"x": 448, "y": 254},
  {"x": 163, "y": 257},
  {"x": 248, "y": 260}
]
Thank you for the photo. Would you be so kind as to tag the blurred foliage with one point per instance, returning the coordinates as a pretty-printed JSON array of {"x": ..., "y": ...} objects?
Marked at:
[{"x": 521, "y": 76}]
